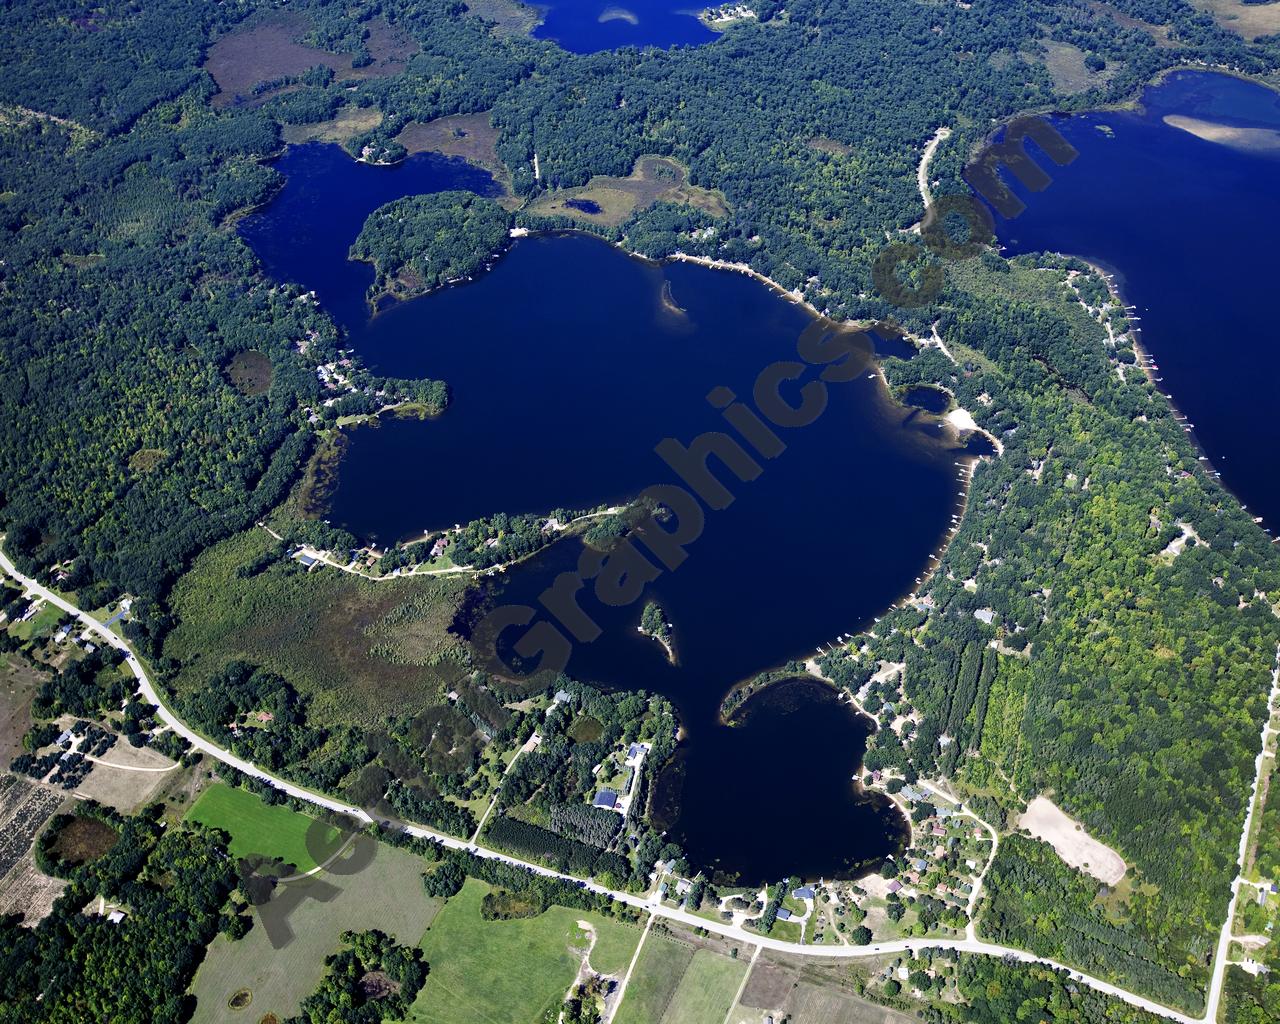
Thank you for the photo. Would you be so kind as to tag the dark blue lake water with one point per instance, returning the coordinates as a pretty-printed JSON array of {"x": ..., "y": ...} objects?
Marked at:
[
  {"x": 585, "y": 26},
  {"x": 569, "y": 361},
  {"x": 1189, "y": 228}
]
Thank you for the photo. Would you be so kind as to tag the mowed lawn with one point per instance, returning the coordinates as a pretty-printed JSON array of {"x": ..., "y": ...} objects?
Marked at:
[
  {"x": 257, "y": 828},
  {"x": 386, "y": 895},
  {"x": 510, "y": 972}
]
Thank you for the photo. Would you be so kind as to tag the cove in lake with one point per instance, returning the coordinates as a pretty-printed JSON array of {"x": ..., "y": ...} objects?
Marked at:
[
  {"x": 568, "y": 361},
  {"x": 1189, "y": 227},
  {"x": 585, "y": 26}
]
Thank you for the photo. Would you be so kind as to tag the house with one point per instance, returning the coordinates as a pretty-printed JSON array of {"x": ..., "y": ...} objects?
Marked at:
[
  {"x": 115, "y": 917},
  {"x": 803, "y": 893},
  {"x": 437, "y": 549},
  {"x": 635, "y": 750},
  {"x": 307, "y": 561},
  {"x": 662, "y": 891},
  {"x": 65, "y": 737},
  {"x": 986, "y": 615},
  {"x": 683, "y": 887},
  {"x": 29, "y": 611},
  {"x": 562, "y": 697},
  {"x": 606, "y": 798},
  {"x": 784, "y": 914},
  {"x": 920, "y": 864},
  {"x": 62, "y": 634},
  {"x": 895, "y": 886}
]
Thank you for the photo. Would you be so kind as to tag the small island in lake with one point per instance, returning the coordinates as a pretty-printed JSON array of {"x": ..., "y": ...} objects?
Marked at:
[
  {"x": 654, "y": 624},
  {"x": 419, "y": 243}
]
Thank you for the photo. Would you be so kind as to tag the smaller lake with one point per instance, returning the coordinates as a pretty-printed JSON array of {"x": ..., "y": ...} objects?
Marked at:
[
  {"x": 1179, "y": 200},
  {"x": 585, "y": 26}
]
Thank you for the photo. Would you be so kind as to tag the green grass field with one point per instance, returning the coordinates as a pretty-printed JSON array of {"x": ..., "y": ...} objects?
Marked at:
[
  {"x": 707, "y": 990},
  {"x": 658, "y": 972},
  {"x": 509, "y": 972},
  {"x": 255, "y": 827},
  {"x": 386, "y": 895}
]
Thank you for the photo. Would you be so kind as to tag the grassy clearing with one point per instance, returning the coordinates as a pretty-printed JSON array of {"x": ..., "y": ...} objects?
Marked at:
[
  {"x": 707, "y": 990},
  {"x": 1065, "y": 64},
  {"x": 19, "y": 680},
  {"x": 83, "y": 839},
  {"x": 386, "y": 895},
  {"x": 361, "y": 650},
  {"x": 653, "y": 983},
  {"x": 250, "y": 372},
  {"x": 509, "y": 17},
  {"x": 1247, "y": 20},
  {"x": 509, "y": 971},
  {"x": 341, "y": 128},
  {"x": 256, "y": 828},
  {"x": 609, "y": 200},
  {"x": 270, "y": 48},
  {"x": 469, "y": 137}
]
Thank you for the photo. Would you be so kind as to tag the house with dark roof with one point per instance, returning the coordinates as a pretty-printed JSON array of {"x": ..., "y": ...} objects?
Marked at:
[
  {"x": 803, "y": 893},
  {"x": 606, "y": 798},
  {"x": 784, "y": 914}
]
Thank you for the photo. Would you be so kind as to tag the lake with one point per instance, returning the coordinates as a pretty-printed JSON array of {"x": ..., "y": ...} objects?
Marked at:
[
  {"x": 585, "y": 27},
  {"x": 568, "y": 362},
  {"x": 1188, "y": 227}
]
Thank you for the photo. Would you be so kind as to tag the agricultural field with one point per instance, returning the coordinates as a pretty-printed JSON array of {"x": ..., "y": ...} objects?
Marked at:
[
  {"x": 386, "y": 895},
  {"x": 680, "y": 979},
  {"x": 514, "y": 970},
  {"x": 361, "y": 650},
  {"x": 807, "y": 992},
  {"x": 27, "y": 891},
  {"x": 255, "y": 827},
  {"x": 24, "y": 808},
  {"x": 608, "y": 200},
  {"x": 662, "y": 964}
]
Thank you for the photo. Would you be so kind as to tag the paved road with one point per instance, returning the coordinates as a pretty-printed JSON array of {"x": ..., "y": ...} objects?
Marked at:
[{"x": 651, "y": 904}]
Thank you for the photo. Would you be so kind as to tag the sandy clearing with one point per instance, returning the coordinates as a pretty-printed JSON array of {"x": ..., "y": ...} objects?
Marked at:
[
  {"x": 962, "y": 419},
  {"x": 1044, "y": 820}
]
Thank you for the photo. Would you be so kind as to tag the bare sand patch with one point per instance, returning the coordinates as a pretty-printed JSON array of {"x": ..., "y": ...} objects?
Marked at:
[
  {"x": 1254, "y": 140},
  {"x": 1044, "y": 820}
]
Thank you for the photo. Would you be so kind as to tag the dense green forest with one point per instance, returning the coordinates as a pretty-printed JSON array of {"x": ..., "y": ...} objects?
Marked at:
[
  {"x": 177, "y": 884},
  {"x": 1126, "y": 682},
  {"x": 423, "y": 242},
  {"x": 1124, "y": 679}
]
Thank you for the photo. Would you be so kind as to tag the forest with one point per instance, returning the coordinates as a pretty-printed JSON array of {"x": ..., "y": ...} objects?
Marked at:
[
  {"x": 177, "y": 884},
  {"x": 1127, "y": 683},
  {"x": 423, "y": 242}
]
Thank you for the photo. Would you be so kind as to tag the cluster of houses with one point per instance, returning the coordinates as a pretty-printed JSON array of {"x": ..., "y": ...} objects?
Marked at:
[{"x": 615, "y": 799}]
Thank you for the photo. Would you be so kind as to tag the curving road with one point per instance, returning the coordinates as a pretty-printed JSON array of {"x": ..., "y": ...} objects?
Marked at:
[{"x": 652, "y": 904}]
